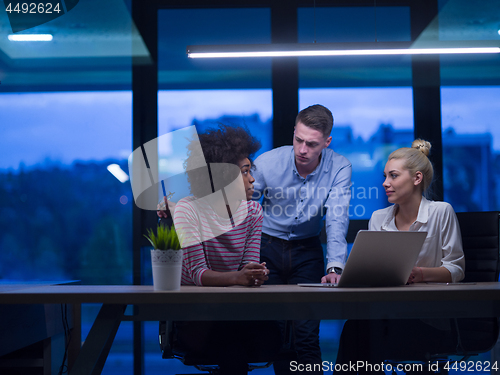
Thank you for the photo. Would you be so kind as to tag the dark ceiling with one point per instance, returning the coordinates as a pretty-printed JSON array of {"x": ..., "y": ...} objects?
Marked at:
[{"x": 94, "y": 44}]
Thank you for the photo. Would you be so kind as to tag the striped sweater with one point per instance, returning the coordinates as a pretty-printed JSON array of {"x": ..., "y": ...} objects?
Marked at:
[{"x": 212, "y": 242}]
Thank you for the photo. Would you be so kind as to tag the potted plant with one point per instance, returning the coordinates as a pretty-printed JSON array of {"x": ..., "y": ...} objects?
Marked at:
[{"x": 166, "y": 258}]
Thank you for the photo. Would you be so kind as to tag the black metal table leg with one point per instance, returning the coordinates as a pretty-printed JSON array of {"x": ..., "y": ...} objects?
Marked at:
[{"x": 96, "y": 347}]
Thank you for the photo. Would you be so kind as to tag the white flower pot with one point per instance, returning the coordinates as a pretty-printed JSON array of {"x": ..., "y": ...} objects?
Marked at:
[{"x": 167, "y": 269}]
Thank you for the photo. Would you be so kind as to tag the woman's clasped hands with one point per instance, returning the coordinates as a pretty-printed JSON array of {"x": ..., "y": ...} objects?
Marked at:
[{"x": 253, "y": 274}]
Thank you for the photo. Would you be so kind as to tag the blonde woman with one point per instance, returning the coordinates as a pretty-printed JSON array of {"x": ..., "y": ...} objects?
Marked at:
[{"x": 408, "y": 176}]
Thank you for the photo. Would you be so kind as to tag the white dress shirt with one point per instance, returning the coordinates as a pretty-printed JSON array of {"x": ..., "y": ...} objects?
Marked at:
[{"x": 443, "y": 245}]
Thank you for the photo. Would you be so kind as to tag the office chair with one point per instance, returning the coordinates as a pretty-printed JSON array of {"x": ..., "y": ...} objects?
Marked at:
[
  {"x": 480, "y": 237},
  {"x": 481, "y": 245},
  {"x": 169, "y": 350}
]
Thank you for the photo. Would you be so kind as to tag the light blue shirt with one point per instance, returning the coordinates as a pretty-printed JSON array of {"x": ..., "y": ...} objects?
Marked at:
[{"x": 294, "y": 206}]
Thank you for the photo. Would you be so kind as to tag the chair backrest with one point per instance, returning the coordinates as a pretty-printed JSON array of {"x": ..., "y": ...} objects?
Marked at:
[{"x": 481, "y": 241}]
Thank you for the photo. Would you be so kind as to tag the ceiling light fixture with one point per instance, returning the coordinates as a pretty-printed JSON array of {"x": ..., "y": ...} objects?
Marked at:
[
  {"x": 342, "y": 49},
  {"x": 30, "y": 37},
  {"x": 119, "y": 173}
]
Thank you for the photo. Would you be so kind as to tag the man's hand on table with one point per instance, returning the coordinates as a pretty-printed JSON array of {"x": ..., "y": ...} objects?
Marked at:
[{"x": 331, "y": 278}]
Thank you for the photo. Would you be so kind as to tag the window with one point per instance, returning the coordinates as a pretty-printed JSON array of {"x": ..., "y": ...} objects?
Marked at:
[
  {"x": 65, "y": 216},
  {"x": 469, "y": 93},
  {"x": 369, "y": 123},
  {"x": 65, "y": 115},
  {"x": 370, "y": 98},
  {"x": 176, "y": 31},
  {"x": 205, "y": 93},
  {"x": 471, "y": 147}
]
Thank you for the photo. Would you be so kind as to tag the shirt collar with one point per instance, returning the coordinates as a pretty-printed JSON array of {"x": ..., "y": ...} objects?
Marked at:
[
  {"x": 326, "y": 166},
  {"x": 423, "y": 211},
  {"x": 422, "y": 217},
  {"x": 390, "y": 222},
  {"x": 292, "y": 158},
  {"x": 318, "y": 167}
]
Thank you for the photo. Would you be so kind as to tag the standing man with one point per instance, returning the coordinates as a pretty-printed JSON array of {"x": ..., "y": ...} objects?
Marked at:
[{"x": 301, "y": 186}]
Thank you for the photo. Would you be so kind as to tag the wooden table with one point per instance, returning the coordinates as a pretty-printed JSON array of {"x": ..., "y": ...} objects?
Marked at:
[{"x": 267, "y": 302}]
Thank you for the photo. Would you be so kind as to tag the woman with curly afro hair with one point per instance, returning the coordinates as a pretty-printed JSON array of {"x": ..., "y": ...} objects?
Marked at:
[
  {"x": 220, "y": 230},
  {"x": 222, "y": 145}
]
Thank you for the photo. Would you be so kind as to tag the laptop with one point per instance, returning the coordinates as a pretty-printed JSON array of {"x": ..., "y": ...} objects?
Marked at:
[{"x": 379, "y": 258}]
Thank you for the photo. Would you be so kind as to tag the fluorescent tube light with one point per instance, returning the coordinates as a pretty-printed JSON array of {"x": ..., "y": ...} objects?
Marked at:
[
  {"x": 30, "y": 37},
  {"x": 366, "y": 52},
  {"x": 116, "y": 171},
  {"x": 342, "y": 49}
]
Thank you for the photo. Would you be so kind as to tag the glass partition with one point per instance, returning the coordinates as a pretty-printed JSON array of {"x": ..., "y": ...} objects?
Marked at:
[
  {"x": 204, "y": 94},
  {"x": 369, "y": 123},
  {"x": 66, "y": 216},
  {"x": 471, "y": 147},
  {"x": 370, "y": 98},
  {"x": 65, "y": 134}
]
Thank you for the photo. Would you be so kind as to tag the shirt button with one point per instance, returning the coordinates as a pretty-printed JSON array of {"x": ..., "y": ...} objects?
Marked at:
[{"x": 296, "y": 218}]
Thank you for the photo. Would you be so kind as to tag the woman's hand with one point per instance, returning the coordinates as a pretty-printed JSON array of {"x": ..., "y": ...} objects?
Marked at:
[
  {"x": 253, "y": 274},
  {"x": 429, "y": 274},
  {"x": 416, "y": 275},
  {"x": 162, "y": 208}
]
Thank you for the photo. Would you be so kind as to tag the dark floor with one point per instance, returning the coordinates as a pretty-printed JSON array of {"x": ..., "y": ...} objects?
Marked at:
[{"x": 120, "y": 359}]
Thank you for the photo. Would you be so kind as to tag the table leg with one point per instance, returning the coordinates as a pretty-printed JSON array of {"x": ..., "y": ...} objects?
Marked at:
[
  {"x": 96, "y": 347},
  {"x": 76, "y": 335}
]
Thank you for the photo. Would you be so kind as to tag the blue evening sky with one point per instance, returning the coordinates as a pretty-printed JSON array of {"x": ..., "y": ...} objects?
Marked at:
[{"x": 64, "y": 127}]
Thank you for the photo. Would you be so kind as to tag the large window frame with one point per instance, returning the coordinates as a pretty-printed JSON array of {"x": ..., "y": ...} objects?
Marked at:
[{"x": 285, "y": 86}]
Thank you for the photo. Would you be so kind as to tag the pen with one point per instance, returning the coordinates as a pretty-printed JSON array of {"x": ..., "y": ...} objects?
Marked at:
[{"x": 163, "y": 187}]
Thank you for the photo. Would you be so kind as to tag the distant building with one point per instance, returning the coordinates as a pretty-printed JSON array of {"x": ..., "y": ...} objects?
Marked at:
[{"x": 469, "y": 180}]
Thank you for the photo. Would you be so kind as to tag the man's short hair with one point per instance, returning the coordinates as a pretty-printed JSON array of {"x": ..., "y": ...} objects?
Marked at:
[{"x": 317, "y": 117}]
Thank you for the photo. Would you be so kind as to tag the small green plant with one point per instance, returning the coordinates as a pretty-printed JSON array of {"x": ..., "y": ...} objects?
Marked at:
[{"x": 165, "y": 239}]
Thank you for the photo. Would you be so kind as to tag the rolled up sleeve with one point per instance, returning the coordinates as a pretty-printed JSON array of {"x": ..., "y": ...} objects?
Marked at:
[
  {"x": 453, "y": 255},
  {"x": 337, "y": 218}
]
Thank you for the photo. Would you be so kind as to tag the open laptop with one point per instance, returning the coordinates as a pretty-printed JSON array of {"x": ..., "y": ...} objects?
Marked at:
[{"x": 379, "y": 258}]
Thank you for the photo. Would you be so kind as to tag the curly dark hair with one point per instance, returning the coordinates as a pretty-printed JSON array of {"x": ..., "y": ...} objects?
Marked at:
[{"x": 225, "y": 144}]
